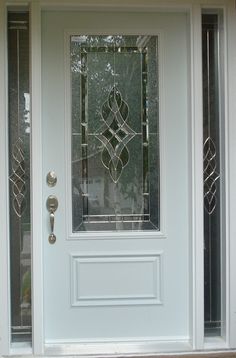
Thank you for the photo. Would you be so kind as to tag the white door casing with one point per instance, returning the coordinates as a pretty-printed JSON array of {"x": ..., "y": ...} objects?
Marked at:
[{"x": 196, "y": 285}]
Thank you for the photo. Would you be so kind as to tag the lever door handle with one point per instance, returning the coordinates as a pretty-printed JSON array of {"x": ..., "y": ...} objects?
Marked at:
[
  {"x": 52, "y": 220},
  {"x": 52, "y": 205}
]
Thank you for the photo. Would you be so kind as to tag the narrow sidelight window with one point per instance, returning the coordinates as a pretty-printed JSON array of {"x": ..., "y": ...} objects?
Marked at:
[
  {"x": 213, "y": 173},
  {"x": 19, "y": 175}
]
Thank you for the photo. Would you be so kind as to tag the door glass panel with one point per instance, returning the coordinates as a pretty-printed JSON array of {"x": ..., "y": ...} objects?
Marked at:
[
  {"x": 213, "y": 179},
  {"x": 115, "y": 135},
  {"x": 19, "y": 175}
]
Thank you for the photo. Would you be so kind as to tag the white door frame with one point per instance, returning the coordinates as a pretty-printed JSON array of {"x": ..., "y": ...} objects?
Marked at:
[
  {"x": 196, "y": 255},
  {"x": 231, "y": 172}
]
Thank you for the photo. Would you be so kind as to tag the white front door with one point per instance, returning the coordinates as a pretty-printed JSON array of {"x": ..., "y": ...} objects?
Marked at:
[{"x": 115, "y": 112}]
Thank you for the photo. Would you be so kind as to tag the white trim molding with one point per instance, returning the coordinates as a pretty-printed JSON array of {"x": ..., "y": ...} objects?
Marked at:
[
  {"x": 197, "y": 180},
  {"x": 36, "y": 180},
  {"x": 231, "y": 111}
]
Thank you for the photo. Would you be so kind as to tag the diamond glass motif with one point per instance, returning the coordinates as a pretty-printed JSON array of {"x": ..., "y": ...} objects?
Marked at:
[{"x": 115, "y": 134}]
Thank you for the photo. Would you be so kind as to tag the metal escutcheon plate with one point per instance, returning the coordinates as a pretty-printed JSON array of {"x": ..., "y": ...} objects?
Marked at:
[
  {"x": 52, "y": 239},
  {"x": 52, "y": 203}
]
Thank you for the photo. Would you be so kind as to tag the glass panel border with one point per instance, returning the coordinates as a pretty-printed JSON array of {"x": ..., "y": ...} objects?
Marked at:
[{"x": 161, "y": 234}]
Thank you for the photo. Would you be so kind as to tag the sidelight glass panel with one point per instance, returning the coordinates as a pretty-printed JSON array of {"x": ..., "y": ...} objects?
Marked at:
[
  {"x": 115, "y": 134},
  {"x": 19, "y": 175},
  {"x": 213, "y": 178}
]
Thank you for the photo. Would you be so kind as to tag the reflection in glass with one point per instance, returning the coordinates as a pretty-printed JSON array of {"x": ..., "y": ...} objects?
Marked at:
[
  {"x": 19, "y": 175},
  {"x": 115, "y": 140}
]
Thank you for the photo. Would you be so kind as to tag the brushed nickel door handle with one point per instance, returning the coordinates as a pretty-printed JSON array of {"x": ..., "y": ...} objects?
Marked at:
[{"x": 52, "y": 205}]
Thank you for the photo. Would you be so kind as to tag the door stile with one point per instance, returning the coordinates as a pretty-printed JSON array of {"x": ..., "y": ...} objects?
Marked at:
[
  {"x": 197, "y": 181},
  {"x": 36, "y": 186},
  {"x": 4, "y": 207}
]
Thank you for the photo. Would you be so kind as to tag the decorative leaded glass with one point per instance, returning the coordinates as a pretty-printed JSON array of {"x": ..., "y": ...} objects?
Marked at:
[
  {"x": 19, "y": 175},
  {"x": 115, "y": 139},
  {"x": 212, "y": 175}
]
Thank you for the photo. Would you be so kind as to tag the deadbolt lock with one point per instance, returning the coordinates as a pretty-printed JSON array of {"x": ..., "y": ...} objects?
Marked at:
[{"x": 51, "y": 178}]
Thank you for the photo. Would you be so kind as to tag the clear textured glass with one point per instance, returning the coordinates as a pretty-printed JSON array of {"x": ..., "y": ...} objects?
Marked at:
[
  {"x": 19, "y": 175},
  {"x": 212, "y": 175},
  {"x": 115, "y": 139}
]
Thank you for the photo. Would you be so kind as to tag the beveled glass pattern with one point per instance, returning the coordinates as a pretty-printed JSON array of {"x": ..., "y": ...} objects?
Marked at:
[
  {"x": 115, "y": 139},
  {"x": 19, "y": 175},
  {"x": 212, "y": 174}
]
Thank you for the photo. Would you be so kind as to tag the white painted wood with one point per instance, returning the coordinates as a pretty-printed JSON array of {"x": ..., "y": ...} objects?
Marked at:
[
  {"x": 143, "y": 284},
  {"x": 36, "y": 147},
  {"x": 36, "y": 178},
  {"x": 224, "y": 160},
  {"x": 4, "y": 208},
  {"x": 217, "y": 343},
  {"x": 21, "y": 348},
  {"x": 175, "y": 247},
  {"x": 197, "y": 181},
  {"x": 136, "y": 348},
  {"x": 231, "y": 29}
]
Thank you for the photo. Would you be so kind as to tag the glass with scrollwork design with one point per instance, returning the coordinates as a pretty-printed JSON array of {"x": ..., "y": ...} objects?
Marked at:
[
  {"x": 213, "y": 169},
  {"x": 19, "y": 175},
  {"x": 115, "y": 139}
]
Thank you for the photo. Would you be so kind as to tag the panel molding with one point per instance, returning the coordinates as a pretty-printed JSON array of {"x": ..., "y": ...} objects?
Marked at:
[{"x": 154, "y": 294}]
